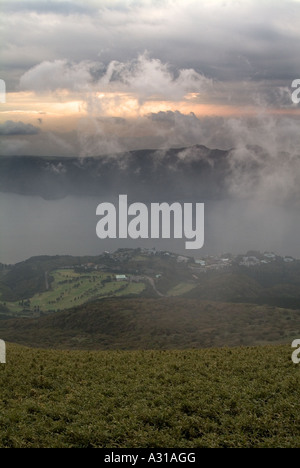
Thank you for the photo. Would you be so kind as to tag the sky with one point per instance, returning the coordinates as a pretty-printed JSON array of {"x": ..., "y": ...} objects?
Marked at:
[{"x": 103, "y": 76}]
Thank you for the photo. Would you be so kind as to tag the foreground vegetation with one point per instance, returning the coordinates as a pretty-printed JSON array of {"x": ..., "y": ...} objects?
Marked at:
[{"x": 242, "y": 397}]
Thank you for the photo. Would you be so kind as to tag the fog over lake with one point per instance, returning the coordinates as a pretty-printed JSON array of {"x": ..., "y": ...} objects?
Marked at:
[{"x": 32, "y": 226}]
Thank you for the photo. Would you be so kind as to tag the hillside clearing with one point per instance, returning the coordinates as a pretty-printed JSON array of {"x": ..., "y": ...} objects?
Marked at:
[{"x": 71, "y": 289}]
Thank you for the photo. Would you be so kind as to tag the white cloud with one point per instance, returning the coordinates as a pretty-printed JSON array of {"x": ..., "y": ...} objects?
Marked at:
[
  {"x": 145, "y": 78},
  {"x": 57, "y": 75},
  {"x": 150, "y": 78},
  {"x": 95, "y": 138},
  {"x": 265, "y": 162}
]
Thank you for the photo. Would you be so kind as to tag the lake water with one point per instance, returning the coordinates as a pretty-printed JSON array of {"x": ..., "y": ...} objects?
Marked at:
[{"x": 31, "y": 226}]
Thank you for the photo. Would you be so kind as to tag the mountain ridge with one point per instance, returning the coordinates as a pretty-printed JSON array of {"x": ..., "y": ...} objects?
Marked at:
[{"x": 189, "y": 173}]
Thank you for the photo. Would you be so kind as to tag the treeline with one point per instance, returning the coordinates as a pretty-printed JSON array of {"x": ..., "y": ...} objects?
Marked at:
[{"x": 142, "y": 323}]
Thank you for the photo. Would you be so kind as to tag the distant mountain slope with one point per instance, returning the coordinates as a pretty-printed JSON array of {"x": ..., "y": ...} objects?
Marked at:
[
  {"x": 155, "y": 324},
  {"x": 23, "y": 280},
  {"x": 227, "y": 287},
  {"x": 146, "y": 175},
  {"x": 276, "y": 283}
]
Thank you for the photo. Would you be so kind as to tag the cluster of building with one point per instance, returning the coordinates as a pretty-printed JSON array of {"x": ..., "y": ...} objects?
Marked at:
[
  {"x": 264, "y": 259},
  {"x": 116, "y": 262},
  {"x": 249, "y": 260}
]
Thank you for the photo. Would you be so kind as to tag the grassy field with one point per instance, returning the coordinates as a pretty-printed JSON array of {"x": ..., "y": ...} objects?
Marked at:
[
  {"x": 241, "y": 397},
  {"x": 180, "y": 289},
  {"x": 71, "y": 289}
]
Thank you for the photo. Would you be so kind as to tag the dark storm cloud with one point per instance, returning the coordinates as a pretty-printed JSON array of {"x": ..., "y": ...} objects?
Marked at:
[
  {"x": 10, "y": 128},
  {"x": 228, "y": 41},
  {"x": 48, "y": 6}
]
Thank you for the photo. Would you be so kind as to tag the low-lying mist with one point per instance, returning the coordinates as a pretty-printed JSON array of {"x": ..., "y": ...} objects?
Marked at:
[
  {"x": 32, "y": 226},
  {"x": 250, "y": 185}
]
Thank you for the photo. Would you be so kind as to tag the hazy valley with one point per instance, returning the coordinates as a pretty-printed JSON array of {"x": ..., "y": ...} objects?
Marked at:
[{"x": 134, "y": 299}]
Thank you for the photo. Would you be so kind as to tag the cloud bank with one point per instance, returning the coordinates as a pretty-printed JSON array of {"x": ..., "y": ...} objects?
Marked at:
[
  {"x": 145, "y": 77},
  {"x": 17, "y": 128},
  {"x": 231, "y": 41}
]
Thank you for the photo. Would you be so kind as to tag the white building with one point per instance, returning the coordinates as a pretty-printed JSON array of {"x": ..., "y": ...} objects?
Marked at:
[
  {"x": 288, "y": 259},
  {"x": 272, "y": 256},
  {"x": 121, "y": 278},
  {"x": 249, "y": 261}
]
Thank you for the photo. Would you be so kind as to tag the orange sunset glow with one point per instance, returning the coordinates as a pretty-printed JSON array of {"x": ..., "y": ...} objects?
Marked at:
[
  {"x": 142, "y": 75},
  {"x": 62, "y": 110}
]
